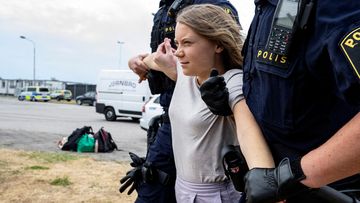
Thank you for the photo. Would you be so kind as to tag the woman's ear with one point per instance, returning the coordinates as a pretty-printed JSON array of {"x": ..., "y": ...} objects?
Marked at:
[{"x": 219, "y": 49}]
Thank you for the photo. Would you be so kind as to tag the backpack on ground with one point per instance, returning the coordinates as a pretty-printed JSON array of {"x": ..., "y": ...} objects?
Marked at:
[
  {"x": 104, "y": 141},
  {"x": 86, "y": 143},
  {"x": 73, "y": 139}
]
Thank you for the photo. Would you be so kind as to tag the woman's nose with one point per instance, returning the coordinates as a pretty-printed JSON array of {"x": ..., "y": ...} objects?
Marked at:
[{"x": 179, "y": 53}]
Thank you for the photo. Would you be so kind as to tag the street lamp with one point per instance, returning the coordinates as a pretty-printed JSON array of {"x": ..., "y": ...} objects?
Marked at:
[
  {"x": 120, "y": 45},
  {"x": 23, "y": 37}
]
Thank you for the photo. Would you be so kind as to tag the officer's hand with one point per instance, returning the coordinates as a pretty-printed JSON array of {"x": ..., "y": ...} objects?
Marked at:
[
  {"x": 137, "y": 65},
  {"x": 133, "y": 177},
  {"x": 136, "y": 160},
  {"x": 149, "y": 173},
  {"x": 215, "y": 94},
  {"x": 132, "y": 180},
  {"x": 271, "y": 185}
]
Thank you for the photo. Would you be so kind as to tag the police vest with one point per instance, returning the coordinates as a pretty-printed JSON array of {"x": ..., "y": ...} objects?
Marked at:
[{"x": 302, "y": 99}]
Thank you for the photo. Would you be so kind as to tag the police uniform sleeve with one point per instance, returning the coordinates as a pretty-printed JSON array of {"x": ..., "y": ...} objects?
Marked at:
[
  {"x": 345, "y": 55},
  {"x": 343, "y": 46},
  {"x": 230, "y": 9},
  {"x": 225, "y": 4}
]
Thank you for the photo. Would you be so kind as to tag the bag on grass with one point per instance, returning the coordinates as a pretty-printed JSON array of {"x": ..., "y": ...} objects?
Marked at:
[
  {"x": 86, "y": 143},
  {"x": 104, "y": 141},
  {"x": 73, "y": 139}
]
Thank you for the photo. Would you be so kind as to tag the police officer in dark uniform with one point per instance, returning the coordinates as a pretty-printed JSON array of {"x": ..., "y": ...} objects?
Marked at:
[
  {"x": 154, "y": 176},
  {"x": 302, "y": 83}
]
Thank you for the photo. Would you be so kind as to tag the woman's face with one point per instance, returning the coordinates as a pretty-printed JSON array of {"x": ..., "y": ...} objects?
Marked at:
[{"x": 196, "y": 54}]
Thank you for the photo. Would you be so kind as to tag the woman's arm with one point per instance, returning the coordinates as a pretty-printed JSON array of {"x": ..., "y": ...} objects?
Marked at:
[
  {"x": 252, "y": 143},
  {"x": 163, "y": 60}
]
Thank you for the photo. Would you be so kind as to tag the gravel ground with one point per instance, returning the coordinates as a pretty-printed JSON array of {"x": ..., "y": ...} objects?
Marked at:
[{"x": 38, "y": 126}]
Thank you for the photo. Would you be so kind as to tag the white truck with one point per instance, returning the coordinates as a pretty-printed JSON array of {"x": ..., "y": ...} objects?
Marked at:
[{"x": 120, "y": 95}]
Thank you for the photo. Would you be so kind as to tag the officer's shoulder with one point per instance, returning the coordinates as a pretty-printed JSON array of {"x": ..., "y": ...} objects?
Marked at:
[
  {"x": 225, "y": 4},
  {"x": 215, "y": 2}
]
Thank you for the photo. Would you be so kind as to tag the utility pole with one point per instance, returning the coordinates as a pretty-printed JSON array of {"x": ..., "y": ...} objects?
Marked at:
[
  {"x": 34, "y": 60},
  {"x": 120, "y": 45}
]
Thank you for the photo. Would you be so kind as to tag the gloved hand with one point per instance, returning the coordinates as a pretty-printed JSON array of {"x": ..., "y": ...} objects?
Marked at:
[
  {"x": 215, "y": 94},
  {"x": 267, "y": 185},
  {"x": 133, "y": 177},
  {"x": 149, "y": 173}
]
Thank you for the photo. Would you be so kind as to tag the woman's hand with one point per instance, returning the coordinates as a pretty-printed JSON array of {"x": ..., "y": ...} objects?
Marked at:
[
  {"x": 164, "y": 56},
  {"x": 163, "y": 60}
]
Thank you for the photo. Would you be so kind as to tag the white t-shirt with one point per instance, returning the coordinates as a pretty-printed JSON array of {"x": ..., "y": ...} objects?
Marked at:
[{"x": 198, "y": 135}]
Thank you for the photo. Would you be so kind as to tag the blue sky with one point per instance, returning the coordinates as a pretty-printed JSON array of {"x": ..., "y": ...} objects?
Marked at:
[{"x": 75, "y": 39}]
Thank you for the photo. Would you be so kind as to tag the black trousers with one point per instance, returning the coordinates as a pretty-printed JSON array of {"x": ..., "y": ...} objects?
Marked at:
[{"x": 161, "y": 156}]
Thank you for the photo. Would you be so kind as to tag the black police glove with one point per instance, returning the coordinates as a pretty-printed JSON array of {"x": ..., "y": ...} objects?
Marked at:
[
  {"x": 271, "y": 185},
  {"x": 215, "y": 94},
  {"x": 133, "y": 177},
  {"x": 149, "y": 173}
]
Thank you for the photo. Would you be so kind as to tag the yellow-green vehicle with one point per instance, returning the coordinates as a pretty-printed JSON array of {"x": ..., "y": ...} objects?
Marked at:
[
  {"x": 61, "y": 95},
  {"x": 35, "y": 93}
]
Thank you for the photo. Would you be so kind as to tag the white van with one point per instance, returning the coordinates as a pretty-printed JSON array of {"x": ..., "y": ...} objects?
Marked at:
[{"x": 120, "y": 95}]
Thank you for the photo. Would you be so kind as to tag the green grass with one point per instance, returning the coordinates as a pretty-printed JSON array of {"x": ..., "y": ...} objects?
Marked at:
[
  {"x": 52, "y": 157},
  {"x": 37, "y": 168},
  {"x": 61, "y": 181}
]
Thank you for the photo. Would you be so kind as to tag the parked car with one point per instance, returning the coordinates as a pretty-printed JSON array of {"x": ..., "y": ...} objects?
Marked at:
[
  {"x": 61, "y": 95},
  {"x": 150, "y": 109},
  {"x": 35, "y": 93},
  {"x": 87, "y": 98}
]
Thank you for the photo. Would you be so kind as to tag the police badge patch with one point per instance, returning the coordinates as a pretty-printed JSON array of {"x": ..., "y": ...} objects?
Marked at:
[{"x": 350, "y": 46}]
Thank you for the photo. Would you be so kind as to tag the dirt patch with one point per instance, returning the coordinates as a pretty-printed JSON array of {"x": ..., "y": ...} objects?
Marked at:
[{"x": 27, "y": 176}]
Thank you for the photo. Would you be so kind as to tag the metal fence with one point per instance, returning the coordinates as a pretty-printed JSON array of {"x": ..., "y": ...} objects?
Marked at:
[{"x": 79, "y": 89}]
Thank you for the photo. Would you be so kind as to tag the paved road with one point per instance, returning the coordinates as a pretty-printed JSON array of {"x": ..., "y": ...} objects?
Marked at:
[{"x": 39, "y": 125}]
